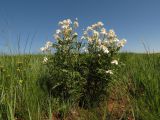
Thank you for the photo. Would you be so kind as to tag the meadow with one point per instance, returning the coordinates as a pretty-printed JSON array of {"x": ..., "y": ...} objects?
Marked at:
[
  {"x": 133, "y": 95},
  {"x": 80, "y": 78}
]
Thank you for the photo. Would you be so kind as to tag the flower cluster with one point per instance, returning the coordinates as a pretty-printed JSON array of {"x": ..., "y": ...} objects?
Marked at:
[
  {"x": 66, "y": 31},
  {"x": 99, "y": 39},
  {"x": 47, "y": 47}
]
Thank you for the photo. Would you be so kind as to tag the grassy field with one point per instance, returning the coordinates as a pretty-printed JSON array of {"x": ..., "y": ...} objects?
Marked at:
[{"x": 134, "y": 95}]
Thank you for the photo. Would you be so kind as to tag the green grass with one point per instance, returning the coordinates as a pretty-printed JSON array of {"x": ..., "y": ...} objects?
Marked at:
[
  {"x": 21, "y": 97},
  {"x": 141, "y": 75}
]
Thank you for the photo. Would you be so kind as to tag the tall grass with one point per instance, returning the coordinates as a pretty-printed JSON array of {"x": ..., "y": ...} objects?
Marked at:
[
  {"x": 138, "y": 84},
  {"x": 20, "y": 94},
  {"x": 142, "y": 78}
]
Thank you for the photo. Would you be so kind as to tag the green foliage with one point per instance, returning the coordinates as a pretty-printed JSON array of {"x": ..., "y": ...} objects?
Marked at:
[
  {"x": 93, "y": 68},
  {"x": 62, "y": 80}
]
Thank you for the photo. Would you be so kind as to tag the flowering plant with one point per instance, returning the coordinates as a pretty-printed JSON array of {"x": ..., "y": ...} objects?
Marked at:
[
  {"x": 62, "y": 79},
  {"x": 82, "y": 72},
  {"x": 101, "y": 49}
]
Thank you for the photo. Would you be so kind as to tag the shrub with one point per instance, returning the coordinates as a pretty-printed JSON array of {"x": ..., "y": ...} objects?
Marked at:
[
  {"x": 80, "y": 70},
  {"x": 101, "y": 53}
]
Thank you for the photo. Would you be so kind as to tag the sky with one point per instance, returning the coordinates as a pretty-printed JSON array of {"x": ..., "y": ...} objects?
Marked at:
[{"x": 27, "y": 24}]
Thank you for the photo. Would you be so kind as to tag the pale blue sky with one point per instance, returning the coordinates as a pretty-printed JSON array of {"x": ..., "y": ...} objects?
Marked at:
[{"x": 135, "y": 20}]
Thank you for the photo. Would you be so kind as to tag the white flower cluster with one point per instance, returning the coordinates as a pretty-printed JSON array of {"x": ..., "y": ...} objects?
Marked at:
[
  {"x": 65, "y": 23},
  {"x": 121, "y": 43},
  {"x": 96, "y": 35},
  {"x": 98, "y": 39},
  {"x": 66, "y": 30},
  {"x": 47, "y": 47}
]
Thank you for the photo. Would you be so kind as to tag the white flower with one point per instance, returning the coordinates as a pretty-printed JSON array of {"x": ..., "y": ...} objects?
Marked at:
[
  {"x": 104, "y": 48},
  {"x": 43, "y": 49},
  {"x": 114, "y": 62},
  {"x": 103, "y": 31},
  {"x": 89, "y": 28},
  {"x": 49, "y": 44},
  {"x": 109, "y": 72},
  {"x": 58, "y": 31},
  {"x": 46, "y": 47},
  {"x": 84, "y": 49},
  {"x": 111, "y": 34},
  {"x": 116, "y": 40},
  {"x": 122, "y": 43},
  {"x": 69, "y": 21},
  {"x": 82, "y": 38},
  {"x": 106, "y": 43},
  {"x": 94, "y": 26},
  {"x": 64, "y": 26},
  {"x": 45, "y": 59},
  {"x": 100, "y": 24},
  {"x": 65, "y": 23}
]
